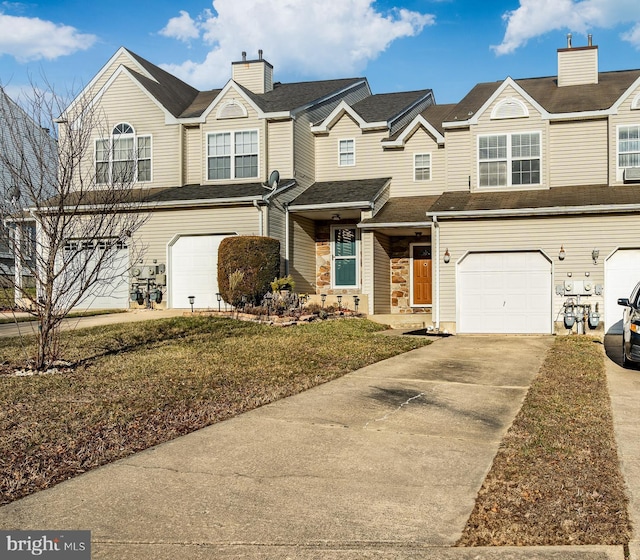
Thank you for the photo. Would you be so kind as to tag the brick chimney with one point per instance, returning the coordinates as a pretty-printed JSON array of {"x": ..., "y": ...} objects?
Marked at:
[
  {"x": 577, "y": 65},
  {"x": 255, "y": 75}
]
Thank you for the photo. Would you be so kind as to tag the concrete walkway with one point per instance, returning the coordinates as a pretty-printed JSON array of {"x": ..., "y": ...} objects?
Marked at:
[{"x": 383, "y": 463}]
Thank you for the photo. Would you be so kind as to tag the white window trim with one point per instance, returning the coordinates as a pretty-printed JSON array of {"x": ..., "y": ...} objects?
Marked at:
[
  {"x": 509, "y": 101},
  {"x": 333, "y": 256},
  {"x": 415, "y": 179},
  {"x": 111, "y": 150},
  {"x": 340, "y": 164},
  {"x": 635, "y": 104},
  {"x": 620, "y": 170},
  {"x": 411, "y": 300},
  {"x": 510, "y": 159},
  {"x": 232, "y": 155}
]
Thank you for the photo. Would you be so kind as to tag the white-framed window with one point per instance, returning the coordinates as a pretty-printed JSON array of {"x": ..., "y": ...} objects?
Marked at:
[
  {"x": 346, "y": 152},
  {"x": 124, "y": 157},
  {"x": 345, "y": 249},
  {"x": 628, "y": 146},
  {"x": 421, "y": 167},
  {"x": 506, "y": 160},
  {"x": 232, "y": 155}
]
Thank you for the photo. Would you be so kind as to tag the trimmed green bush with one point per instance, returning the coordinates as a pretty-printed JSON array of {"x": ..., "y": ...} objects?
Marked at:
[{"x": 258, "y": 261}]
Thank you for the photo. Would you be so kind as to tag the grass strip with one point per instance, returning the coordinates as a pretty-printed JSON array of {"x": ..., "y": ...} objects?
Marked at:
[
  {"x": 140, "y": 384},
  {"x": 556, "y": 479}
]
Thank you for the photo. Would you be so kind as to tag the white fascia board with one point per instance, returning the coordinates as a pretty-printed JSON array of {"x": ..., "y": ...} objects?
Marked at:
[
  {"x": 365, "y": 225},
  {"x": 508, "y": 82},
  {"x": 410, "y": 129},
  {"x": 331, "y": 206},
  {"x": 232, "y": 85},
  {"x": 632, "y": 88},
  {"x": 102, "y": 71},
  {"x": 335, "y": 115},
  {"x": 547, "y": 211}
]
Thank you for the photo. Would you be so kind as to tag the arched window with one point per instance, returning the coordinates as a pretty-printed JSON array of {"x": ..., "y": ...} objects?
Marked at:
[{"x": 123, "y": 158}]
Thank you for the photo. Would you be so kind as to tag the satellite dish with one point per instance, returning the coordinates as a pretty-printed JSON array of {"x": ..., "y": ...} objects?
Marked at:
[{"x": 273, "y": 179}]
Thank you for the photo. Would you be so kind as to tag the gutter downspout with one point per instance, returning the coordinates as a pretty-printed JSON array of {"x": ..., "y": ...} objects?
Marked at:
[
  {"x": 286, "y": 238},
  {"x": 260, "y": 218},
  {"x": 435, "y": 313}
]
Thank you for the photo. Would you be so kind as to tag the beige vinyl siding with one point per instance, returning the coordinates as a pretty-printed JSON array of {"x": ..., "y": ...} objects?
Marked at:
[
  {"x": 625, "y": 116},
  {"x": 578, "y": 153},
  {"x": 280, "y": 148},
  {"x": 192, "y": 156},
  {"x": 577, "y": 66},
  {"x": 250, "y": 122},
  {"x": 124, "y": 101},
  {"x": 401, "y": 162},
  {"x": 163, "y": 225},
  {"x": 256, "y": 76},
  {"x": 578, "y": 235},
  {"x": 302, "y": 265},
  {"x": 121, "y": 60},
  {"x": 304, "y": 141},
  {"x": 381, "y": 273},
  {"x": 488, "y": 126},
  {"x": 460, "y": 159}
]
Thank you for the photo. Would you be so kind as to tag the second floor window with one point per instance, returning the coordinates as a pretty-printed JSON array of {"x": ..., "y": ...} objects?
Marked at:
[
  {"x": 346, "y": 152},
  {"x": 422, "y": 167},
  {"x": 124, "y": 157},
  {"x": 232, "y": 155},
  {"x": 629, "y": 146},
  {"x": 509, "y": 159}
]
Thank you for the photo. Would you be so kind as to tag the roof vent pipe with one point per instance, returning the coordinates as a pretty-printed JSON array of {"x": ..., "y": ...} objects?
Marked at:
[
  {"x": 568, "y": 40},
  {"x": 260, "y": 54},
  {"x": 590, "y": 40},
  {"x": 244, "y": 56}
]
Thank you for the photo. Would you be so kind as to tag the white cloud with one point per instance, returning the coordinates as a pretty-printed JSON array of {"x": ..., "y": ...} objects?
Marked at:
[
  {"x": 314, "y": 38},
  {"x": 33, "y": 38},
  {"x": 537, "y": 17},
  {"x": 182, "y": 28}
]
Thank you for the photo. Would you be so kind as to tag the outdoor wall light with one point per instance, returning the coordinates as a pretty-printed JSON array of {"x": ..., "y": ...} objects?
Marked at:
[
  {"x": 192, "y": 299},
  {"x": 323, "y": 298},
  {"x": 561, "y": 254},
  {"x": 594, "y": 255},
  {"x": 447, "y": 256},
  {"x": 336, "y": 217}
]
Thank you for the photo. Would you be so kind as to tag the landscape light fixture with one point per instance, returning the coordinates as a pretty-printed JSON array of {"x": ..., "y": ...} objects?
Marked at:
[
  {"x": 356, "y": 301},
  {"x": 323, "y": 298},
  {"x": 339, "y": 302},
  {"x": 219, "y": 298},
  {"x": 561, "y": 254},
  {"x": 447, "y": 256},
  {"x": 268, "y": 297},
  {"x": 191, "y": 300}
]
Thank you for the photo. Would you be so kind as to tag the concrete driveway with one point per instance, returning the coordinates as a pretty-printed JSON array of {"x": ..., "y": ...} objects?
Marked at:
[{"x": 384, "y": 462}]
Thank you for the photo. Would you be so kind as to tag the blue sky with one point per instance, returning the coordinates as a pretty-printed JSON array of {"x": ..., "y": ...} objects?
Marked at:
[{"x": 445, "y": 45}]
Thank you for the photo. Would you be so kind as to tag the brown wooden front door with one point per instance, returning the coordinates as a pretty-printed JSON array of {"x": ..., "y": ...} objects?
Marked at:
[{"x": 422, "y": 278}]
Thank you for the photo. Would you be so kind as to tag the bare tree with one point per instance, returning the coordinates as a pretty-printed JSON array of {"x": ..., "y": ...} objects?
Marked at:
[{"x": 69, "y": 207}]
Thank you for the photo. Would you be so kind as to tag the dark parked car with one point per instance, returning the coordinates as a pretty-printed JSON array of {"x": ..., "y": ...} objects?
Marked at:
[{"x": 631, "y": 327}]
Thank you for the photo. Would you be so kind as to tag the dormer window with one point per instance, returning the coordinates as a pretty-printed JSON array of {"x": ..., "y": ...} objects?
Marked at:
[
  {"x": 346, "y": 152},
  {"x": 123, "y": 158}
]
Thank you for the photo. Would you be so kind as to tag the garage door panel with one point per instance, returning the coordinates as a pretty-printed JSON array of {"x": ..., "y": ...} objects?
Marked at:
[
  {"x": 622, "y": 273},
  {"x": 193, "y": 269},
  {"x": 504, "y": 293}
]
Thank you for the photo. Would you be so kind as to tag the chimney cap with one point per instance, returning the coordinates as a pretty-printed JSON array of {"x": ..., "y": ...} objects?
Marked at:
[
  {"x": 260, "y": 54},
  {"x": 569, "y": 36}
]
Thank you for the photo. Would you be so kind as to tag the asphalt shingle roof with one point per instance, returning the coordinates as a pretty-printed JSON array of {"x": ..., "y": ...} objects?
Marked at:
[
  {"x": 403, "y": 210},
  {"x": 341, "y": 192},
  {"x": 385, "y": 107}
]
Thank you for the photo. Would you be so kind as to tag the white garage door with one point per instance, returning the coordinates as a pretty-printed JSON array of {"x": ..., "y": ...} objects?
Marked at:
[
  {"x": 193, "y": 271},
  {"x": 112, "y": 292},
  {"x": 622, "y": 273},
  {"x": 504, "y": 293}
]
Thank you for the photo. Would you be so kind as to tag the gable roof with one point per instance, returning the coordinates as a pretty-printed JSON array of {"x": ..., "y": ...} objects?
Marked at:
[
  {"x": 552, "y": 98},
  {"x": 386, "y": 107}
]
